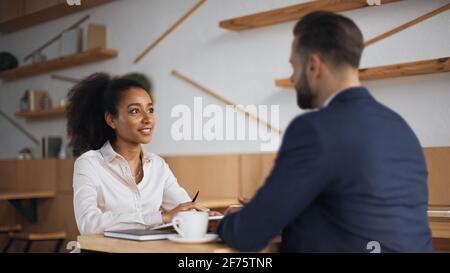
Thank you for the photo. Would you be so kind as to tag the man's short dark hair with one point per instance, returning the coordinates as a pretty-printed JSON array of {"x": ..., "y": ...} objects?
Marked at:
[{"x": 334, "y": 37}]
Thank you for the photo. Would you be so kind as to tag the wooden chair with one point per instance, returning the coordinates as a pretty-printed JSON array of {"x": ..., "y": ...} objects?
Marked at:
[
  {"x": 5, "y": 229},
  {"x": 8, "y": 229},
  {"x": 30, "y": 237}
]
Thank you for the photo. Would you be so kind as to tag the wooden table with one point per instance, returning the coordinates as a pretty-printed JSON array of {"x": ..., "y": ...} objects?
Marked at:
[
  {"x": 18, "y": 200},
  {"x": 440, "y": 230},
  {"x": 99, "y": 243}
]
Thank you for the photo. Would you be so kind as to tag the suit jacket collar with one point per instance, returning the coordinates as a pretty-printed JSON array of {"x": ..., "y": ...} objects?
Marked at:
[{"x": 352, "y": 93}]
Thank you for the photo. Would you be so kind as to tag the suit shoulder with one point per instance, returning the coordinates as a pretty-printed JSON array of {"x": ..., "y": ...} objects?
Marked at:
[
  {"x": 303, "y": 125},
  {"x": 305, "y": 120}
]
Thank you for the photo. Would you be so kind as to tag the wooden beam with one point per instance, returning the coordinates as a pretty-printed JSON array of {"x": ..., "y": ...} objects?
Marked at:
[
  {"x": 20, "y": 127},
  {"x": 224, "y": 100},
  {"x": 291, "y": 13},
  {"x": 407, "y": 25},
  {"x": 65, "y": 78},
  {"x": 432, "y": 66},
  {"x": 167, "y": 32}
]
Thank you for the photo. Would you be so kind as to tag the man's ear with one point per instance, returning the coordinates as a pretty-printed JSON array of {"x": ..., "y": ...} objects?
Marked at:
[
  {"x": 314, "y": 66},
  {"x": 109, "y": 120}
]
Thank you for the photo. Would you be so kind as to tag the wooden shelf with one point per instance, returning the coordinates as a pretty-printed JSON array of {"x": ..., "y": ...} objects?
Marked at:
[
  {"x": 90, "y": 56},
  {"x": 291, "y": 13},
  {"x": 26, "y": 195},
  {"x": 439, "y": 65},
  {"x": 43, "y": 114},
  {"x": 47, "y": 14}
]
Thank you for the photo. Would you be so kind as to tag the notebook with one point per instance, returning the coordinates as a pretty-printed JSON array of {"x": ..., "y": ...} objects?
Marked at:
[
  {"x": 169, "y": 226},
  {"x": 139, "y": 234}
]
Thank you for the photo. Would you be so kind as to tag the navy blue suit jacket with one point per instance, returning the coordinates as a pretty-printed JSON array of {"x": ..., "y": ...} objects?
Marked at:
[{"x": 346, "y": 175}]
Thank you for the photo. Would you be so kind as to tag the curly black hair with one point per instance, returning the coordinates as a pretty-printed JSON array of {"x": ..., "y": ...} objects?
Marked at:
[{"x": 89, "y": 100}]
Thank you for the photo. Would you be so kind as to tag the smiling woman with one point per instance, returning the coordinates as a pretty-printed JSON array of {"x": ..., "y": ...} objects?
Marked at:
[{"x": 117, "y": 184}]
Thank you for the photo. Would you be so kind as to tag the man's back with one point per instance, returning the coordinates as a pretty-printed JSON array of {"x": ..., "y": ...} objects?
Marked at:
[
  {"x": 351, "y": 173},
  {"x": 377, "y": 189}
]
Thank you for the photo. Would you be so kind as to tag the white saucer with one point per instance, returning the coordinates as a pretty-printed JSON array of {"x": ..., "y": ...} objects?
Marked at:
[{"x": 207, "y": 238}]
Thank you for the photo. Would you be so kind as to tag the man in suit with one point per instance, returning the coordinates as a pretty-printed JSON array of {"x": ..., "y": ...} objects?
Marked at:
[{"x": 349, "y": 176}]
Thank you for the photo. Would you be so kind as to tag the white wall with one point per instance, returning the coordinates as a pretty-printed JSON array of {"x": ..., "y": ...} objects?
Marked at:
[{"x": 241, "y": 66}]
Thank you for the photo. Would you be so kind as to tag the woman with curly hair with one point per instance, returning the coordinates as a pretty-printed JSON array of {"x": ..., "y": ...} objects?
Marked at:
[{"x": 117, "y": 184}]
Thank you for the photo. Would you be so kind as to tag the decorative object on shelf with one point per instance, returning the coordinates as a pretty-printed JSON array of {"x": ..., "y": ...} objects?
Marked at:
[
  {"x": 167, "y": 32},
  {"x": 8, "y": 61},
  {"x": 57, "y": 37},
  {"x": 71, "y": 42},
  {"x": 25, "y": 154},
  {"x": 46, "y": 102},
  {"x": 32, "y": 100},
  {"x": 38, "y": 57},
  {"x": 51, "y": 146},
  {"x": 25, "y": 102},
  {"x": 140, "y": 78},
  {"x": 63, "y": 103},
  {"x": 62, "y": 152},
  {"x": 94, "y": 36}
]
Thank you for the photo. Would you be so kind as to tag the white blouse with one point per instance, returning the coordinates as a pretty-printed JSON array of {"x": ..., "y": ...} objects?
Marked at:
[{"x": 106, "y": 196}]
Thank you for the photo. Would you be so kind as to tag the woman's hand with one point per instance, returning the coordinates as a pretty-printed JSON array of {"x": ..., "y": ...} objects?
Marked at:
[
  {"x": 168, "y": 216},
  {"x": 212, "y": 224},
  {"x": 214, "y": 213}
]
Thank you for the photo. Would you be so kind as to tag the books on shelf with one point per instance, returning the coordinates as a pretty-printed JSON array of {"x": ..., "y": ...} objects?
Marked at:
[
  {"x": 51, "y": 146},
  {"x": 35, "y": 99}
]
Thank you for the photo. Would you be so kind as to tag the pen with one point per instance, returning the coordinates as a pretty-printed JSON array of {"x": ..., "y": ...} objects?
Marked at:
[{"x": 195, "y": 197}]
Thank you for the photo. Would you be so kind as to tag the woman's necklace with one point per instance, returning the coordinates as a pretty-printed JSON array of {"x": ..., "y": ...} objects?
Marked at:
[{"x": 140, "y": 169}]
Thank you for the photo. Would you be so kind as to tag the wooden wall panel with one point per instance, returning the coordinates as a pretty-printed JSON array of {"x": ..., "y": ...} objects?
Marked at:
[
  {"x": 216, "y": 176},
  {"x": 438, "y": 163},
  {"x": 8, "y": 175},
  {"x": 254, "y": 168},
  {"x": 36, "y": 175},
  {"x": 64, "y": 175}
]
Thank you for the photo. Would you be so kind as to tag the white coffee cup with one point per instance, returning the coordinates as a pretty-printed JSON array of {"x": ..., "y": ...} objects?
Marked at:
[{"x": 191, "y": 224}]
